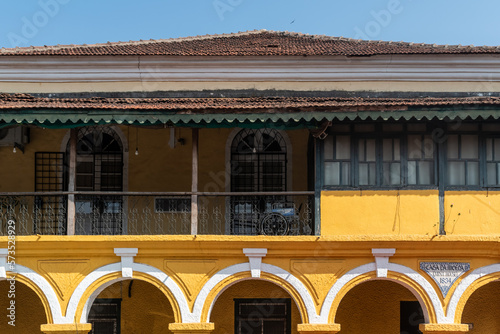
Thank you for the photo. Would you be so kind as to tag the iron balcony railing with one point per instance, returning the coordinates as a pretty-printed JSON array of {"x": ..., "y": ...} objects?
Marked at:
[{"x": 168, "y": 213}]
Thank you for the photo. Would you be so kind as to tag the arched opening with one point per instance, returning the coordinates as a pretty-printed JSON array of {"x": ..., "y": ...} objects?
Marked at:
[
  {"x": 131, "y": 306},
  {"x": 99, "y": 167},
  {"x": 255, "y": 306},
  {"x": 258, "y": 163},
  {"x": 21, "y": 307},
  {"x": 482, "y": 309},
  {"x": 379, "y": 306}
]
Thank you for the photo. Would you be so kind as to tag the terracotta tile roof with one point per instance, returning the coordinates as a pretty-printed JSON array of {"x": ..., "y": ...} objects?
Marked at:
[
  {"x": 251, "y": 43},
  {"x": 236, "y": 105}
]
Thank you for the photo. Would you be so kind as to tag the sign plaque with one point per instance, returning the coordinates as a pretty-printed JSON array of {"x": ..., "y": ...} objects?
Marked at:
[{"x": 445, "y": 273}]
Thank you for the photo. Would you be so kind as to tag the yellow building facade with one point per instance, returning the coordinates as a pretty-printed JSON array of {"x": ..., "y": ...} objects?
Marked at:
[{"x": 258, "y": 182}]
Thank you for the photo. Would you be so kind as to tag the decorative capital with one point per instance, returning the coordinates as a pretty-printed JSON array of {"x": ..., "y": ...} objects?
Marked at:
[
  {"x": 192, "y": 328},
  {"x": 444, "y": 328},
  {"x": 66, "y": 328},
  {"x": 318, "y": 328}
]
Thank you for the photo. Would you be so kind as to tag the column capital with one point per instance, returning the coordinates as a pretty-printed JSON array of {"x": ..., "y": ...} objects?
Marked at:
[
  {"x": 318, "y": 328},
  {"x": 443, "y": 328},
  {"x": 192, "y": 328},
  {"x": 66, "y": 328}
]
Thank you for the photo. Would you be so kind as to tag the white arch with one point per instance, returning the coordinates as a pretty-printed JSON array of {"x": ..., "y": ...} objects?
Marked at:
[
  {"x": 408, "y": 272},
  {"x": 244, "y": 267},
  {"x": 464, "y": 285},
  {"x": 116, "y": 267},
  {"x": 45, "y": 288}
]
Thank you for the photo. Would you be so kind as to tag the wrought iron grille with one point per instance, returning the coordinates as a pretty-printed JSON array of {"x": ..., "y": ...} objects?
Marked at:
[
  {"x": 49, "y": 212},
  {"x": 100, "y": 213}
]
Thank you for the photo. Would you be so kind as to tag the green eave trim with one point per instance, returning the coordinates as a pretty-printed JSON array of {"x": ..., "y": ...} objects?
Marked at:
[{"x": 284, "y": 120}]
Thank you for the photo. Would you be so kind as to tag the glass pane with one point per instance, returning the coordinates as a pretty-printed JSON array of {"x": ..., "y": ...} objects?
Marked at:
[
  {"x": 491, "y": 173},
  {"x": 425, "y": 172},
  {"x": 370, "y": 149},
  {"x": 343, "y": 147},
  {"x": 428, "y": 147},
  {"x": 346, "y": 173},
  {"x": 469, "y": 147},
  {"x": 395, "y": 173},
  {"x": 452, "y": 147},
  {"x": 372, "y": 174},
  {"x": 489, "y": 149},
  {"x": 363, "y": 174},
  {"x": 456, "y": 173},
  {"x": 332, "y": 173},
  {"x": 412, "y": 172},
  {"x": 414, "y": 147},
  {"x": 361, "y": 150},
  {"x": 397, "y": 150},
  {"x": 497, "y": 149},
  {"x": 473, "y": 173},
  {"x": 387, "y": 149},
  {"x": 328, "y": 148}
]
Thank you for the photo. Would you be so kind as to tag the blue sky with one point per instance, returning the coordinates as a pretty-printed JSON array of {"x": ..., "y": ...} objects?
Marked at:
[{"x": 50, "y": 22}]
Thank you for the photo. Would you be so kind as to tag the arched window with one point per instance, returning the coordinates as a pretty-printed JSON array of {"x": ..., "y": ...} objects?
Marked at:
[
  {"x": 99, "y": 167},
  {"x": 258, "y": 164},
  {"x": 258, "y": 161}
]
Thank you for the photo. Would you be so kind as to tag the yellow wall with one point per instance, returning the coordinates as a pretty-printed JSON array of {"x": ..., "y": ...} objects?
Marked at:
[
  {"x": 29, "y": 312},
  {"x": 147, "y": 310},
  {"x": 483, "y": 309},
  {"x": 380, "y": 212},
  {"x": 372, "y": 307},
  {"x": 223, "y": 311},
  {"x": 472, "y": 212}
]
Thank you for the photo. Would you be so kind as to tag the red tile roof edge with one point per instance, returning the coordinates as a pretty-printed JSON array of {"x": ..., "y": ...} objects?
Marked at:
[{"x": 374, "y": 47}]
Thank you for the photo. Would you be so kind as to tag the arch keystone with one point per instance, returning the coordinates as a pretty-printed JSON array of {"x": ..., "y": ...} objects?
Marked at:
[
  {"x": 127, "y": 256},
  {"x": 255, "y": 256},
  {"x": 382, "y": 259}
]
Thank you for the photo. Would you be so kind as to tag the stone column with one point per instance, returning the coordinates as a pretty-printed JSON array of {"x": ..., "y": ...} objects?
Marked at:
[
  {"x": 192, "y": 328},
  {"x": 443, "y": 328},
  {"x": 318, "y": 328},
  {"x": 66, "y": 328}
]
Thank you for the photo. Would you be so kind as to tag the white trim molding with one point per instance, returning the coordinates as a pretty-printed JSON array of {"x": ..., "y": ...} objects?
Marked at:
[
  {"x": 457, "y": 68},
  {"x": 382, "y": 259},
  {"x": 127, "y": 256},
  {"x": 255, "y": 256},
  {"x": 3, "y": 262}
]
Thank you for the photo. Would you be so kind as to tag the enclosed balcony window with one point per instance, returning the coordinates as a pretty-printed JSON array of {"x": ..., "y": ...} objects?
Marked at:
[
  {"x": 379, "y": 155},
  {"x": 493, "y": 162},
  {"x": 463, "y": 160}
]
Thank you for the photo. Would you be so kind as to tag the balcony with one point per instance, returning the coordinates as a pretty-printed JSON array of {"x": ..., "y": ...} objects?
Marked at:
[{"x": 159, "y": 213}]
